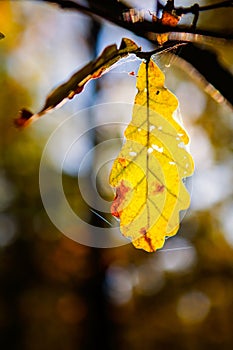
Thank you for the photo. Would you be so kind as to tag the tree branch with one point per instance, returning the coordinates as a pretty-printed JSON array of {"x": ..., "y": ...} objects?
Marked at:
[
  {"x": 207, "y": 64},
  {"x": 216, "y": 6},
  {"x": 184, "y": 10},
  {"x": 203, "y": 60},
  {"x": 112, "y": 11}
]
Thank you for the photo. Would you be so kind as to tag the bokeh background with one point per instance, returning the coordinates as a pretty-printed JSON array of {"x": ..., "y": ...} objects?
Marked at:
[{"x": 58, "y": 294}]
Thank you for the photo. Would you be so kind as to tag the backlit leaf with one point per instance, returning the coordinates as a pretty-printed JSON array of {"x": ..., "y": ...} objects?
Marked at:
[
  {"x": 76, "y": 83},
  {"x": 168, "y": 19},
  {"x": 149, "y": 170}
]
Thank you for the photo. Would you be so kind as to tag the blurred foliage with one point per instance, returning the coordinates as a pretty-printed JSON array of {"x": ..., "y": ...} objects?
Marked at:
[{"x": 56, "y": 293}]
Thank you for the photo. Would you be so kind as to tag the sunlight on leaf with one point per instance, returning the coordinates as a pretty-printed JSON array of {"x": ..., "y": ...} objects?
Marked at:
[
  {"x": 76, "y": 83},
  {"x": 150, "y": 167}
]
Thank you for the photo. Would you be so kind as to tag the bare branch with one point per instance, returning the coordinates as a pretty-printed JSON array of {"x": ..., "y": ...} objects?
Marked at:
[
  {"x": 214, "y": 73},
  {"x": 210, "y": 7},
  {"x": 184, "y": 10},
  {"x": 144, "y": 29},
  {"x": 206, "y": 62}
]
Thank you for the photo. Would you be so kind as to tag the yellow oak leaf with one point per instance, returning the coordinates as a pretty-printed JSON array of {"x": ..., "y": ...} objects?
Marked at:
[{"x": 149, "y": 170}]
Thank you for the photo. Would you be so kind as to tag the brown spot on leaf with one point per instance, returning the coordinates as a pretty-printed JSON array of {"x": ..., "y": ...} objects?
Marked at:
[
  {"x": 123, "y": 162},
  {"x": 157, "y": 188},
  {"x": 119, "y": 199},
  {"x": 149, "y": 242},
  {"x": 143, "y": 231}
]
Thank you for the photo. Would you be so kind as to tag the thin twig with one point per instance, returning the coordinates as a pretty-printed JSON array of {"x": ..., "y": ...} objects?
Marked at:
[
  {"x": 185, "y": 10},
  {"x": 168, "y": 46}
]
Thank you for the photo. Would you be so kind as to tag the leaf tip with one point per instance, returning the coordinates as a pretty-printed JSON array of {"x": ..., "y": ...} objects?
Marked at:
[
  {"x": 129, "y": 45},
  {"x": 23, "y": 118},
  {"x": 145, "y": 242}
]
